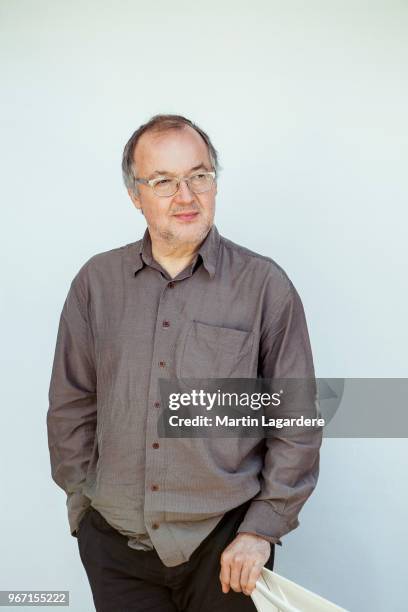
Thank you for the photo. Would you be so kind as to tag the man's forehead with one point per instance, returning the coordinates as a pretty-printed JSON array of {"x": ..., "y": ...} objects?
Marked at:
[{"x": 169, "y": 150}]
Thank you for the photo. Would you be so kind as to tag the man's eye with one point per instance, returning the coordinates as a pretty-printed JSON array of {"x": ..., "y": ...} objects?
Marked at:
[{"x": 163, "y": 181}]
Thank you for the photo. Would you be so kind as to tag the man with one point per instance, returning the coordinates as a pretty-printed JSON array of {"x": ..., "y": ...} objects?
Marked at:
[{"x": 162, "y": 523}]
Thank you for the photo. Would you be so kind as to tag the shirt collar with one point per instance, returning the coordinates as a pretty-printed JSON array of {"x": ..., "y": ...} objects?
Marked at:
[{"x": 208, "y": 251}]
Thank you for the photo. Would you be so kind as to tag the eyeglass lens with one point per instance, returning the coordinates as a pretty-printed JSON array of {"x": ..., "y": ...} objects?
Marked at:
[{"x": 198, "y": 183}]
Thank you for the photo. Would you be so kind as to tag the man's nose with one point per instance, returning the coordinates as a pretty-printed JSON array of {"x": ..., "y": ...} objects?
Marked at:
[{"x": 184, "y": 195}]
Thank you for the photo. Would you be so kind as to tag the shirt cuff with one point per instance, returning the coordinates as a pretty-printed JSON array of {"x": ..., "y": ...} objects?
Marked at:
[
  {"x": 77, "y": 505},
  {"x": 262, "y": 520}
]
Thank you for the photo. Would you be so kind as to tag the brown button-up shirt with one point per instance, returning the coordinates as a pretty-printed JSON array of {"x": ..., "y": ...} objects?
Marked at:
[{"x": 124, "y": 325}]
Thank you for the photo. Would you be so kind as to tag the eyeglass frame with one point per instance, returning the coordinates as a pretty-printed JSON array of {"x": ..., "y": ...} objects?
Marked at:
[{"x": 152, "y": 182}]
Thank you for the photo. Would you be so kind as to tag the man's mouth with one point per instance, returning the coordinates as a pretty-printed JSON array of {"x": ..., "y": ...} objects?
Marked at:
[{"x": 186, "y": 216}]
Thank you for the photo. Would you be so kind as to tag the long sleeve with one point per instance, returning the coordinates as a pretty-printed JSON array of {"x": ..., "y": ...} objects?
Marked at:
[
  {"x": 71, "y": 416},
  {"x": 291, "y": 462}
]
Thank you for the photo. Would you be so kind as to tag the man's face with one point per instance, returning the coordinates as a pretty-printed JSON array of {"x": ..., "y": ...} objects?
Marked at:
[{"x": 185, "y": 217}]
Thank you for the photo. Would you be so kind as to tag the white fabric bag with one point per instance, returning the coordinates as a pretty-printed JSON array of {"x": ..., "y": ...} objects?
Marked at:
[{"x": 273, "y": 593}]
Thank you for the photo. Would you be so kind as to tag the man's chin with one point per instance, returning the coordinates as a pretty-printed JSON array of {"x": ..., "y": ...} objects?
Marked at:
[{"x": 192, "y": 232}]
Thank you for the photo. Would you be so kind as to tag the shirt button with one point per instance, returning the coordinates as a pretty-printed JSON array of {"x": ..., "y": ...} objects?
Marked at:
[
  {"x": 166, "y": 323},
  {"x": 171, "y": 285},
  {"x": 156, "y": 445},
  {"x": 155, "y": 525},
  {"x": 157, "y": 404},
  {"x": 162, "y": 364},
  {"x": 154, "y": 487}
]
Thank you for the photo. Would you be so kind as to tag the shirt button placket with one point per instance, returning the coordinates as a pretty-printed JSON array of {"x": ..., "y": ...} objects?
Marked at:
[{"x": 155, "y": 455}]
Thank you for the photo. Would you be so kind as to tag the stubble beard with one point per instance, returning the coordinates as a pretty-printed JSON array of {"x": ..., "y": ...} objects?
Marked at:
[{"x": 174, "y": 238}]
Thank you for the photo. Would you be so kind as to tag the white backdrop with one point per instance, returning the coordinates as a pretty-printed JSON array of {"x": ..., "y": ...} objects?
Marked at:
[{"x": 306, "y": 104}]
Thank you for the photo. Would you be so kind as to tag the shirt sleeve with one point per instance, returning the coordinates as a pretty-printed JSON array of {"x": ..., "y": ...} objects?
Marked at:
[
  {"x": 71, "y": 416},
  {"x": 291, "y": 462}
]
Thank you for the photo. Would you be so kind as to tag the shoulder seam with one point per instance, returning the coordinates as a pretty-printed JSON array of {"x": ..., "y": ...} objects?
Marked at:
[
  {"x": 90, "y": 259},
  {"x": 252, "y": 254},
  {"x": 233, "y": 245}
]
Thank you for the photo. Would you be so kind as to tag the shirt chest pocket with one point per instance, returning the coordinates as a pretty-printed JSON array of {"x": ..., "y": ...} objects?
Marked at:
[{"x": 216, "y": 352}]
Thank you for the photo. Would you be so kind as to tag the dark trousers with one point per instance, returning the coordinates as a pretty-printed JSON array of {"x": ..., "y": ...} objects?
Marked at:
[{"x": 123, "y": 579}]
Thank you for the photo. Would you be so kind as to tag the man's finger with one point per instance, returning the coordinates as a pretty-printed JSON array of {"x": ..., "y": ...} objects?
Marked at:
[
  {"x": 253, "y": 577},
  {"x": 245, "y": 573},
  {"x": 225, "y": 574},
  {"x": 236, "y": 567}
]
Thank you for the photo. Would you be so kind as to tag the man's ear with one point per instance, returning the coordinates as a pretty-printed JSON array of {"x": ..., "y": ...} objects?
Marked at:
[{"x": 135, "y": 199}]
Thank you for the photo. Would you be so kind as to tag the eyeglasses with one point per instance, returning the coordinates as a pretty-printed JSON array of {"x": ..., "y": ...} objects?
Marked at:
[{"x": 165, "y": 186}]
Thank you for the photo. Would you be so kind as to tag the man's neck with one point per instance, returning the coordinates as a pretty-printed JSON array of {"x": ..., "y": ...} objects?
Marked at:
[{"x": 174, "y": 257}]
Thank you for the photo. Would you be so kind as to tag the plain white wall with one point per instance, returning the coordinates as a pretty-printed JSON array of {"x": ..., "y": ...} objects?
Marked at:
[{"x": 306, "y": 103}]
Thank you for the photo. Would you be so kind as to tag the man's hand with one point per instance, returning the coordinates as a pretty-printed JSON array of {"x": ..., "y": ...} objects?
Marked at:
[{"x": 242, "y": 562}]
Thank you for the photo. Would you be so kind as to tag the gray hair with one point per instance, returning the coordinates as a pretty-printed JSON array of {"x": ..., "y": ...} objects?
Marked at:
[{"x": 160, "y": 123}]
